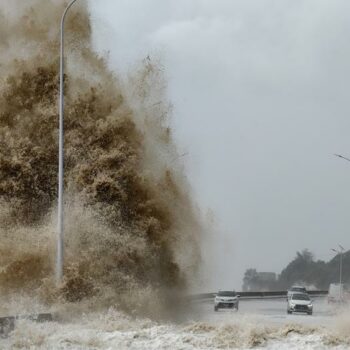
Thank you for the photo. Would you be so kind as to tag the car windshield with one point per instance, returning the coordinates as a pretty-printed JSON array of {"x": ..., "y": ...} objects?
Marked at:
[
  {"x": 300, "y": 297},
  {"x": 227, "y": 294},
  {"x": 298, "y": 289}
]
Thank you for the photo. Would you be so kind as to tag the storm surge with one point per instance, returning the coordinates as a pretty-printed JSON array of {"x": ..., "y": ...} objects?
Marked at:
[{"x": 131, "y": 227}]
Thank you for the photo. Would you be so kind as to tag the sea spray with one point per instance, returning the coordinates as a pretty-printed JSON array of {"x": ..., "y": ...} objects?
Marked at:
[{"x": 130, "y": 227}]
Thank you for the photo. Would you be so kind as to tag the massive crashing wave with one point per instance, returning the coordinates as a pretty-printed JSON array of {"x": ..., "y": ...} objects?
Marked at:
[{"x": 130, "y": 224}]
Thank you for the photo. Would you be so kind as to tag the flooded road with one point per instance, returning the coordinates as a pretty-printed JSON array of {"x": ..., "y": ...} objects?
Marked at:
[{"x": 259, "y": 324}]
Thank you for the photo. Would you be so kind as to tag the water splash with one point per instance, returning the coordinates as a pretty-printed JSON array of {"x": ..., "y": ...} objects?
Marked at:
[{"x": 130, "y": 224}]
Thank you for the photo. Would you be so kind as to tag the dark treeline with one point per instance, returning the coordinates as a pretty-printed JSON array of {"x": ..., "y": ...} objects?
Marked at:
[{"x": 302, "y": 270}]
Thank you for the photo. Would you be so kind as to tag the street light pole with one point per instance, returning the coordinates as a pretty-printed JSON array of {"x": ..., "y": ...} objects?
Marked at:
[
  {"x": 60, "y": 223},
  {"x": 340, "y": 267},
  {"x": 340, "y": 252},
  {"x": 341, "y": 248}
]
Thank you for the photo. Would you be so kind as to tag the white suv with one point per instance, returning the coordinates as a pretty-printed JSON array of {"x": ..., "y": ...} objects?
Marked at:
[
  {"x": 299, "y": 302},
  {"x": 227, "y": 300}
]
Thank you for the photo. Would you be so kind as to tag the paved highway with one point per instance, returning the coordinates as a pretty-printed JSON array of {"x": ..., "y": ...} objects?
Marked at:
[{"x": 273, "y": 311}]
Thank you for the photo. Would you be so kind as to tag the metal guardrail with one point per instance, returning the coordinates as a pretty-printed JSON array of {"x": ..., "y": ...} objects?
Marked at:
[{"x": 257, "y": 295}]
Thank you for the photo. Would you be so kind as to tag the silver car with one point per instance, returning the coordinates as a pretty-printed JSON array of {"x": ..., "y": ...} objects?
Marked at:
[
  {"x": 299, "y": 302},
  {"x": 226, "y": 300}
]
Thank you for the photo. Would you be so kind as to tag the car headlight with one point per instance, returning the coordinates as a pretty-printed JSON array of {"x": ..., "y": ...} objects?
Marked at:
[{"x": 310, "y": 306}]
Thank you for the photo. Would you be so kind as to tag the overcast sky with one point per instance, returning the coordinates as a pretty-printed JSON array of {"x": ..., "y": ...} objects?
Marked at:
[{"x": 261, "y": 96}]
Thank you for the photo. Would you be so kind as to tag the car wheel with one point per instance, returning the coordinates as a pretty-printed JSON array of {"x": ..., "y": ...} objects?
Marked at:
[
  {"x": 309, "y": 313},
  {"x": 289, "y": 312},
  {"x": 236, "y": 307},
  {"x": 215, "y": 308}
]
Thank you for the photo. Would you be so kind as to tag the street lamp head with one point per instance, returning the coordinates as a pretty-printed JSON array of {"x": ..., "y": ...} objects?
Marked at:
[{"x": 340, "y": 156}]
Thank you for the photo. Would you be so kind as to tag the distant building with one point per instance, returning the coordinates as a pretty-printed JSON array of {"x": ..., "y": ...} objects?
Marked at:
[
  {"x": 267, "y": 276},
  {"x": 255, "y": 281}
]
